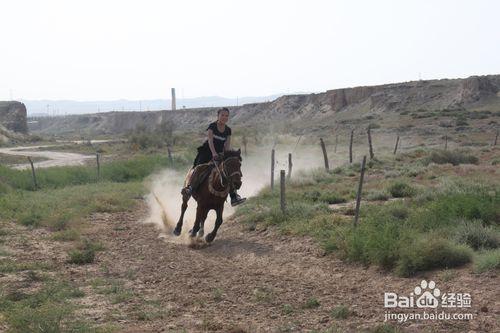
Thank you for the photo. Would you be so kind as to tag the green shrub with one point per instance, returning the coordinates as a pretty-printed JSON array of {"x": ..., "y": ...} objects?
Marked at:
[
  {"x": 375, "y": 241},
  {"x": 48, "y": 317},
  {"x": 10, "y": 266},
  {"x": 287, "y": 309},
  {"x": 135, "y": 169},
  {"x": 59, "y": 208},
  {"x": 430, "y": 252},
  {"x": 487, "y": 261},
  {"x": 66, "y": 235},
  {"x": 377, "y": 196},
  {"x": 30, "y": 219},
  {"x": 477, "y": 236},
  {"x": 311, "y": 303},
  {"x": 311, "y": 195},
  {"x": 81, "y": 257},
  {"x": 401, "y": 190},
  {"x": 340, "y": 312},
  {"x": 400, "y": 212},
  {"x": 453, "y": 157},
  {"x": 445, "y": 208},
  {"x": 331, "y": 198},
  {"x": 45, "y": 310},
  {"x": 84, "y": 254}
]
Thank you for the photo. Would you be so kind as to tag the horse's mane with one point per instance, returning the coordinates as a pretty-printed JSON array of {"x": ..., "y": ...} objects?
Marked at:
[{"x": 232, "y": 153}]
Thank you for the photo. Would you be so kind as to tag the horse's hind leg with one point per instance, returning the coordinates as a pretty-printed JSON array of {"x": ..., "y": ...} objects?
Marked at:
[
  {"x": 201, "y": 232},
  {"x": 218, "y": 221},
  {"x": 178, "y": 227},
  {"x": 201, "y": 215}
]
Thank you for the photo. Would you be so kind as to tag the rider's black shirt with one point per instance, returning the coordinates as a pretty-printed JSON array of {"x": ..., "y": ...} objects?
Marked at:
[{"x": 219, "y": 138}]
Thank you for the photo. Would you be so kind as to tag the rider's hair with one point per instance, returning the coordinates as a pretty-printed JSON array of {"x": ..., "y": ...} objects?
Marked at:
[{"x": 222, "y": 110}]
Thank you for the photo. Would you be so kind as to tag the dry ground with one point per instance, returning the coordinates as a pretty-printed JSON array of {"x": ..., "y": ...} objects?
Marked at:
[{"x": 246, "y": 281}]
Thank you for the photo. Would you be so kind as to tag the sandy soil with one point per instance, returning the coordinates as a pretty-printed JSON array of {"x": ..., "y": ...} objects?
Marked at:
[
  {"x": 53, "y": 158},
  {"x": 244, "y": 282}
]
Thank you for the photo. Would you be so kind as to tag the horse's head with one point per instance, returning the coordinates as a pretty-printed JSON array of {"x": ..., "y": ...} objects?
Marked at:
[{"x": 232, "y": 167}]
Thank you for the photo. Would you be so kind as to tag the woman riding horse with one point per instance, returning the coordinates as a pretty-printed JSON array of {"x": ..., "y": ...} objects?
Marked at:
[{"x": 218, "y": 141}]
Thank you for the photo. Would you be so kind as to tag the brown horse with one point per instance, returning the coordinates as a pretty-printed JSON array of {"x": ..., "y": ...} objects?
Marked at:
[{"x": 212, "y": 193}]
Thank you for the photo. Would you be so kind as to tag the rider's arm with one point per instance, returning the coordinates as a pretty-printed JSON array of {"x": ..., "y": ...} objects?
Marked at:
[
  {"x": 210, "y": 135},
  {"x": 227, "y": 144}
]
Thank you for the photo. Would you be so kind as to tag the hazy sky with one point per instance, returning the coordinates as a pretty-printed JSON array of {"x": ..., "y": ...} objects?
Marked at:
[{"x": 112, "y": 49}]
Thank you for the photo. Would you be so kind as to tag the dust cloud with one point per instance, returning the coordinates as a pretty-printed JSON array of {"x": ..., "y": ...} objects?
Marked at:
[{"x": 164, "y": 199}]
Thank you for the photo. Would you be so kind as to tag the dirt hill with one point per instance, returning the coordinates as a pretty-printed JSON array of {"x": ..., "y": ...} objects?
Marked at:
[
  {"x": 13, "y": 124},
  {"x": 390, "y": 103}
]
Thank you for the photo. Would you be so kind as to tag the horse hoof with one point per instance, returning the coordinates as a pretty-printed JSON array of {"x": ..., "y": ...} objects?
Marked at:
[
  {"x": 176, "y": 232},
  {"x": 209, "y": 238}
]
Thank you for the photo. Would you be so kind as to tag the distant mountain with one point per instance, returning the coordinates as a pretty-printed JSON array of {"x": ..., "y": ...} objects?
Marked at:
[
  {"x": 37, "y": 108},
  {"x": 422, "y": 107}
]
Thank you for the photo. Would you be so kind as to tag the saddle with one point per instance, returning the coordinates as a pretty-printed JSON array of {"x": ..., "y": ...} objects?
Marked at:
[{"x": 200, "y": 173}]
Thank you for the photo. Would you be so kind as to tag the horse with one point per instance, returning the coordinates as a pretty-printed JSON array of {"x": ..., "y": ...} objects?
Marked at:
[{"x": 212, "y": 194}]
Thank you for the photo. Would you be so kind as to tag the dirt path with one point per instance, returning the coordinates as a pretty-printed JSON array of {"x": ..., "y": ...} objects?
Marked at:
[
  {"x": 246, "y": 281},
  {"x": 53, "y": 158}
]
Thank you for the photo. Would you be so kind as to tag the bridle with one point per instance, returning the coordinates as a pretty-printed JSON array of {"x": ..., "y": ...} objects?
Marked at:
[
  {"x": 224, "y": 177},
  {"x": 223, "y": 173}
]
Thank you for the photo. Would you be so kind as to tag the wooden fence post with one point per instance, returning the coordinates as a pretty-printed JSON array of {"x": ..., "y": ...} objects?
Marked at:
[
  {"x": 336, "y": 142},
  {"x": 396, "y": 146},
  {"x": 496, "y": 139},
  {"x": 169, "y": 151},
  {"x": 446, "y": 142},
  {"x": 97, "y": 155},
  {"x": 290, "y": 165},
  {"x": 33, "y": 174},
  {"x": 325, "y": 156},
  {"x": 245, "y": 145},
  {"x": 282, "y": 191},
  {"x": 350, "y": 147},
  {"x": 370, "y": 146},
  {"x": 272, "y": 169},
  {"x": 360, "y": 188}
]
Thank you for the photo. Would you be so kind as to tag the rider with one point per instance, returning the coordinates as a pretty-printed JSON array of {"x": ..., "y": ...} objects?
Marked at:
[{"x": 218, "y": 141}]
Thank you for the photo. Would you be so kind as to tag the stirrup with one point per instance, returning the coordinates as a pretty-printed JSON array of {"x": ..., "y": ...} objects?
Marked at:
[{"x": 237, "y": 201}]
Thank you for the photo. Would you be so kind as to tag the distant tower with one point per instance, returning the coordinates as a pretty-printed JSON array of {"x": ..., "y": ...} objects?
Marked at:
[{"x": 173, "y": 99}]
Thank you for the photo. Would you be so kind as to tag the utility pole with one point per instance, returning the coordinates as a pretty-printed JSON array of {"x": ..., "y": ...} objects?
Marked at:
[{"x": 173, "y": 99}]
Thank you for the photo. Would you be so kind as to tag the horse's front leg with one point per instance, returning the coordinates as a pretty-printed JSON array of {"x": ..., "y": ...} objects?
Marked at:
[
  {"x": 201, "y": 215},
  {"x": 218, "y": 221},
  {"x": 178, "y": 227}
]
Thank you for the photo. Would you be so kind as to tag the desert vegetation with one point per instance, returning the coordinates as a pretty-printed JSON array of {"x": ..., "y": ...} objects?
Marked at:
[
  {"x": 415, "y": 219},
  {"x": 424, "y": 209}
]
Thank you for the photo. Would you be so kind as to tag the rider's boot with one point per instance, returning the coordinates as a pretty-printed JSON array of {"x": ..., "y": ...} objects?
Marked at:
[
  {"x": 236, "y": 199},
  {"x": 188, "y": 190}
]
